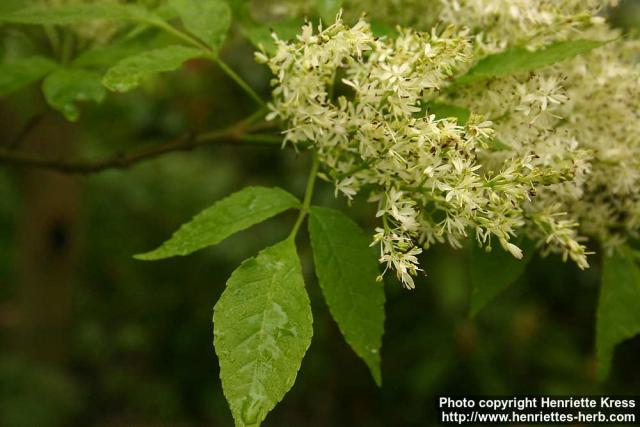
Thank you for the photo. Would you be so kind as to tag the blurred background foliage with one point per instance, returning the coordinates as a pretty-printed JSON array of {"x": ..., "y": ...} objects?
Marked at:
[{"x": 91, "y": 337}]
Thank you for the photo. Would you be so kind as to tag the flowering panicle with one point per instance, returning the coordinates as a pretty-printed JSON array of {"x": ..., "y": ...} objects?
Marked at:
[
  {"x": 526, "y": 111},
  {"x": 360, "y": 101},
  {"x": 552, "y": 154},
  {"x": 604, "y": 115},
  {"x": 531, "y": 23},
  {"x": 581, "y": 116}
]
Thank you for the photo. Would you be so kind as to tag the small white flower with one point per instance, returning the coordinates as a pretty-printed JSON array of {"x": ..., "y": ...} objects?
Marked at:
[{"x": 511, "y": 248}]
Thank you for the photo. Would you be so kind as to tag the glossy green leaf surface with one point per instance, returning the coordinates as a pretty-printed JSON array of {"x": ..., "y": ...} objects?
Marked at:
[
  {"x": 518, "y": 60},
  {"x": 209, "y": 20},
  {"x": 234, "y": 213},
  {"x": 347, "y": 270},
  {"x": 74, "y": 13},
  {"x": 16, "y": 75},
  {"x": 262, "y": 328},
  {"x": 64, "y": 87},
  {"x": 129, "y": 72}
]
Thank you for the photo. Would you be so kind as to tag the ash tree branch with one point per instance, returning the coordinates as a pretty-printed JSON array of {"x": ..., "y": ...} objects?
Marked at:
[{"x": 235, "y": 134}]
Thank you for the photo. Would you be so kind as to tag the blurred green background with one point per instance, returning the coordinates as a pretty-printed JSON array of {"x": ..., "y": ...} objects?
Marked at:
[{"x": 91, "y": 337}]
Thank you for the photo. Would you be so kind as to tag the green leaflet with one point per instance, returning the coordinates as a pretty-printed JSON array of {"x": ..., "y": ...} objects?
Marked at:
[
  {"x": 73, "y": 13},
  {"x": 129, "y": 72},
  {"x": 106, "y": 56},
  {"x": 7, "y": 6},
  {"x": 518, "y": 60},
  {"x": 618, "y": 316},
  {"x": 347, "y": 271},
  {"x": 492, "y": 272},
  {"x": 64, "y": 87},
  {"x": 328, "y": 10},
  {"x": 262, "y": 327},
  {"x": 209, "y": 20},
  {"x": 21, "y": 73},
  {"x": 234, "y": 213}
]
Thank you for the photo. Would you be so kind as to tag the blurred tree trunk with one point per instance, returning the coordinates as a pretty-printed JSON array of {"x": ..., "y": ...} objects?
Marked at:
[{"x": 47, "y": 246}]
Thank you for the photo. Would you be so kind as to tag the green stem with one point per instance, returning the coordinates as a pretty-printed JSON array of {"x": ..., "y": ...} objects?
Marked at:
[
  {"x": 332, "y": 88},
  {"x": 54, "y": 38},
  {"x": 66, "y": 52},
  {"x": 259, "y": 114},
  {"x": 236, "y": 78},
  {"x": 182, "y": 36},
  {"x": 213, "y": 56},
  {"x": 240, "y": 130},
  {"x": 256, "y": 137},
  {"x": 308, "y": 195}
]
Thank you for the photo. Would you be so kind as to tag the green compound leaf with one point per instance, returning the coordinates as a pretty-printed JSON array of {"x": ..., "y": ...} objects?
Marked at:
[
  {"x": 129, "y": 72},
  {"x": 64, "y": 87},
  {"x": 347, "y": 271},
  {"x": 328, "y": 10},
  {"x": 78, "y": 13},
  {"x": 517, "y": 60},
  {"x": 234, "y": 213},
  {"x": 492, "y": 272},
  {"x": 209, "y": 20},
  {"x": 618, "y": 317},
  {"x": 262, "y": 327},
  {"x": 23, "y": 72}
]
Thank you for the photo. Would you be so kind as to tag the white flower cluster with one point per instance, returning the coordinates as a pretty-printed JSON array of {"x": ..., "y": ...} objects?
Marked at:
[
  {"x": 495, "y": 23},
  {"x": 552, "y": 154},
  {"x": 603, "y": 115},
  {"x": 526, "y": 113},
  {"x": 360, "y": 101},
  {"x": 584, "y": 111},
  {"x": 531, "y": 23}
]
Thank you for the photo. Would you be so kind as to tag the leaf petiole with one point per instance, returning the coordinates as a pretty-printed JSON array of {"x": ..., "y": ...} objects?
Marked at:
[
  {"x": 213, "y": 55},
  {"x": 308, "y": 195}
]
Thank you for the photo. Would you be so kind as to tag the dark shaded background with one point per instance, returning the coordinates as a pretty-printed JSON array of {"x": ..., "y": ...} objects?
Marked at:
[{"x": 91, "y": 337}]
